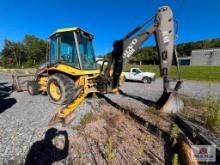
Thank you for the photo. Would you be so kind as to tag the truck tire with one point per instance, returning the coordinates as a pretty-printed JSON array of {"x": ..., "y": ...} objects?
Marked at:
[
  {"x": 60, "y": 88},
  {"x": 147, "y": 80},
  {"x": 33, "y": 88}
]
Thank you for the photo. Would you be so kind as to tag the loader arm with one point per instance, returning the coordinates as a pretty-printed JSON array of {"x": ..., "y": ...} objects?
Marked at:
[{"x": 163, "y": 30}]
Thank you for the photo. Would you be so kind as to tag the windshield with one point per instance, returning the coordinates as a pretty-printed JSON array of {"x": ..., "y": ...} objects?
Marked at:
[
  {"x": 68, "y": 52},
  {"x": 86, "y": 52}
]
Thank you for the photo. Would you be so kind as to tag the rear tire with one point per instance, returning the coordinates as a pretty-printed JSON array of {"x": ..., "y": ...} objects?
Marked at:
[
  {"x": 60, "y": 88},
  {"x": 33, "y": 88}
]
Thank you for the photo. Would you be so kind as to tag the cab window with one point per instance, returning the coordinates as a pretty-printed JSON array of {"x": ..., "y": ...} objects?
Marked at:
[
  {"x": 136, "y": 71},
  {"x": 86, "y": 53},
  {"x": 68, "y": 52}
]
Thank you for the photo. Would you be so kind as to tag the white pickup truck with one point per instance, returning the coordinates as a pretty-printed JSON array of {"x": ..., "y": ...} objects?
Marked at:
[{"x": 136, "y": 74}]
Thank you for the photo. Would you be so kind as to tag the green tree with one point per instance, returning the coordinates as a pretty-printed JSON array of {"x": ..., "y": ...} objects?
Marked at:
[
  {"x": 36, "y": 50},
  {"x": 13, "y": 54}
]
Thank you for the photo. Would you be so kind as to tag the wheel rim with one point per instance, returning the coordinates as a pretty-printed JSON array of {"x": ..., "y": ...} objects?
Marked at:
[
  {"x": 55, "y": 91},
  {"x": 145, "y": 80}
]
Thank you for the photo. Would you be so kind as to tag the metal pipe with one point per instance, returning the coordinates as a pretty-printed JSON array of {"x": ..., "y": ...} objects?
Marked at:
[{"x": 77, "y": 49}]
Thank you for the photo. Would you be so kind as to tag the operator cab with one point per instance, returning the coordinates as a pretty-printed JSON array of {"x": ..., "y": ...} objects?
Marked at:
[{"x": 72, "y": 47}]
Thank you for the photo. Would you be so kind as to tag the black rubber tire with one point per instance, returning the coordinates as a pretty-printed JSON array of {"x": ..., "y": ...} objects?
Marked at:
[
  {"x": 33, "y": 88},
  {"x": 147, "y": 80},
  {"x": 66, "y": 87}
]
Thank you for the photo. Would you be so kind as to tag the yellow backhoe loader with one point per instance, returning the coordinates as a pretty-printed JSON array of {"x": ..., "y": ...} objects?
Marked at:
[{"x": 71, "y": 72}]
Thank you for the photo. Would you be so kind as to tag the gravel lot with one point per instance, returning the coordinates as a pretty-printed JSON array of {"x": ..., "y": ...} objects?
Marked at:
[{"x": 25, "y": 119}]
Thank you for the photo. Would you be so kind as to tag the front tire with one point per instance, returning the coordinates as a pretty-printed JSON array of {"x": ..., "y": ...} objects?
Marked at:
[
  {"x": 33, "y": 88},
  {"x": 60, "y": 88}
]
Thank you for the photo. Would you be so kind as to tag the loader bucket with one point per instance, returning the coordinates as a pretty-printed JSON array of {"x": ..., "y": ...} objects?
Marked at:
[
  {"x": 170, "y": 103},
  {"x": 20, "y": 81}
]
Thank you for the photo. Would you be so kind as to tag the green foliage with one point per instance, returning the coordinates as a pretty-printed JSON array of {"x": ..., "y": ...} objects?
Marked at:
[
  {"x": 13, "y": 54},
  {"x": 146, "y": 55},
  {"x": 29, "y": 53},
  {"x": 185, "y": 49},
  {"x": 212, "y": 114},
  {"x": 109, "y": 151},
  {"x": 195, "y": 133},
  {"x": 87, "y": 118},
  {"x": 175, "y": 160},
  {"x": 36, "y": 50},
  {"x": 175, "y": 131}
]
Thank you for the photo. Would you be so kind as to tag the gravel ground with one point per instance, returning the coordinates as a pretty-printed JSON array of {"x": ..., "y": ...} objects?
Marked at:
[{"x": 25, "y": 120}]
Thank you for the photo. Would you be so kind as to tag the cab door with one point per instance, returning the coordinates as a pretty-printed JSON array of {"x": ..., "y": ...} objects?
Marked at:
[{"x": 53, "y": 50}]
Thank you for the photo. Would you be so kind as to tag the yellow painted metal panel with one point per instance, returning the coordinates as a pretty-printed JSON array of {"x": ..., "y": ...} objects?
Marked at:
[
  {"x": 72, "y": 71},
  {"x": 67, "y": 110},
  {"x": 69, "y": 29}
]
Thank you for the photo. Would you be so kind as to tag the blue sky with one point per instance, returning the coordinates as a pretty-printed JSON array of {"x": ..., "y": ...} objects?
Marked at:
[{"x": 108, "y": 20}]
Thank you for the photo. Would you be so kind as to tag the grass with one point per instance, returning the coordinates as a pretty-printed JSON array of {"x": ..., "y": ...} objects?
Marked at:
[
  {"x": 207, "y": 111},
  {"x": 175, "y": 131},
  {"x": 197, "y": 73},
  {"x": 175, "y": 160},
  {"x": 212, "y": 114},
  {"x": 86, "y": 119},
  {"x": 109, "y": 151}
]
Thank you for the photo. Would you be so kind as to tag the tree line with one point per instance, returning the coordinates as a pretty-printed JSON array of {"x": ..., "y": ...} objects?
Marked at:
[
  {"x": 28, "y": 53},
  {"x": 149, "y": 55},
  {"x": 31, "y": 51}
]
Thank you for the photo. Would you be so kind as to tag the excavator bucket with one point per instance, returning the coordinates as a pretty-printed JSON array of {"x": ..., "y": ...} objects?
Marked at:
[
  {"x": 170, "y": 102},
  {"x": 20, "y": 81}
]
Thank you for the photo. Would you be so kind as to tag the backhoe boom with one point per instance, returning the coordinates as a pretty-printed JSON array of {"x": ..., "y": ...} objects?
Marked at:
[{"x": 162, "y": 29}]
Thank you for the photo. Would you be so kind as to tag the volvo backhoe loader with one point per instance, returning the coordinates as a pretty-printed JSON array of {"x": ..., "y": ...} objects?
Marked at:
[{"x": 71, "y": 72}]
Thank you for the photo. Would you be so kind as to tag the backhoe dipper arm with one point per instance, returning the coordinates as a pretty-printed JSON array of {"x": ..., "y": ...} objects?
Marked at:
[{"x": 163, "y": 30}]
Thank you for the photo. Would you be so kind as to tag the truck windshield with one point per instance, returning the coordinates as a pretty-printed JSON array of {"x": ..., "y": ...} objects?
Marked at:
[
  {"x": 68, "y": 52},
  {"x": 86, "y": 52}
]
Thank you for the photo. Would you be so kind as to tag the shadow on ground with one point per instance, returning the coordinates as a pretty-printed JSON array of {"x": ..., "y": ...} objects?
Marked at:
[
  {"x": 46, "y": 151},
  {"x": 5, "y": 91},
  {"x": 149, "y": 103}
]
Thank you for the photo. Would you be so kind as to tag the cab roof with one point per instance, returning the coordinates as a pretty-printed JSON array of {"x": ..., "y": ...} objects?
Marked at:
[{"x": 69, "y": 29}]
